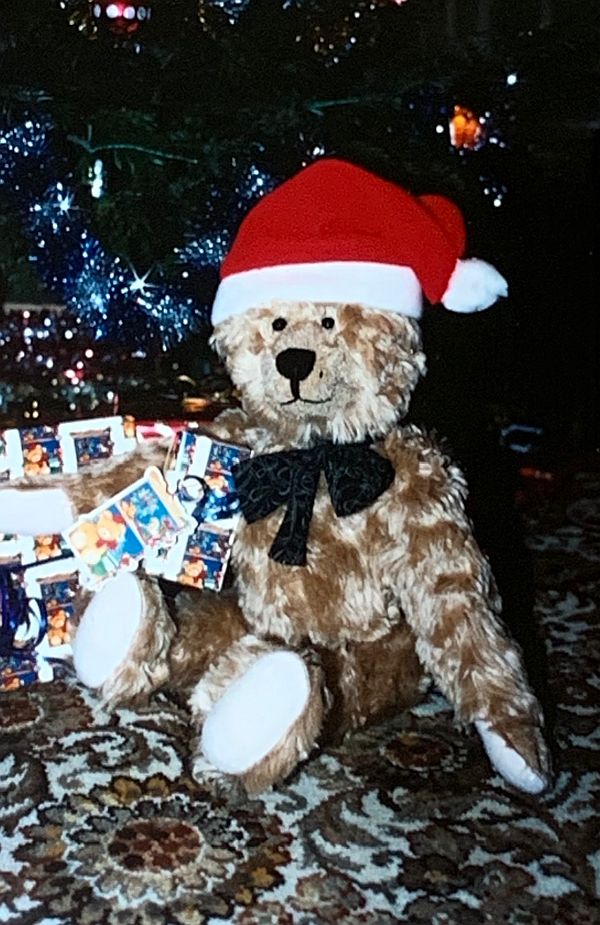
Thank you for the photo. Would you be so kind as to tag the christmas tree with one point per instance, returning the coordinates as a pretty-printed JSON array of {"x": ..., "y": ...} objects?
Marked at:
[{"x": 135, "y": 136}]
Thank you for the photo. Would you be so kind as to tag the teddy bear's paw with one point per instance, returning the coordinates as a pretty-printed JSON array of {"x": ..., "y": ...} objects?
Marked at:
[
  {"x": 35, "y": 512},
  {"x": 266, "y": 721},
  {"x": 107, "y": 629},
  {"x": 510, "y": 764}
]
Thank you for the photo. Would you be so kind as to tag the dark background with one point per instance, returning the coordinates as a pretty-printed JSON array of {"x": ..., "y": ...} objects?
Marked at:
[{"x": 176, "y": 112}]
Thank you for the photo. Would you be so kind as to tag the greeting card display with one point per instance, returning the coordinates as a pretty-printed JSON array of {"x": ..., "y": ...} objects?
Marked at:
[{"x": 200, "y": 473}]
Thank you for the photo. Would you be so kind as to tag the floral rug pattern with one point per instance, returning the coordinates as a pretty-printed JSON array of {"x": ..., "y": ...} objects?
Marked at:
[{"x": 100, "y": 821}]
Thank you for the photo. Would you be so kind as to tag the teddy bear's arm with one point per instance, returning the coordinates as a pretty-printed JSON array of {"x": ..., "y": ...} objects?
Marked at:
[
  {"x": 448, "y": 596},
  {"x": 48, "y": 504}
]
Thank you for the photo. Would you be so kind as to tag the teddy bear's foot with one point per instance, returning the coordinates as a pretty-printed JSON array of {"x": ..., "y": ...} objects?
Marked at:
[
  {"x": 107, "y": 629},
  {"x": 510, "y": 764},
  {"x": 265, "y": 721},
  {"x": 122, "y": 640}
]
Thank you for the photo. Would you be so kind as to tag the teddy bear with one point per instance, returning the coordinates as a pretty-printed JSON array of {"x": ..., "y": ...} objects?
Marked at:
[{"x": 357, "y": 579}]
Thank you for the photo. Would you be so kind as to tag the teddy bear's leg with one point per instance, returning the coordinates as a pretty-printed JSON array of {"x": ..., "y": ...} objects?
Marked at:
[
  {"x": 367, "y": 681},
  {"x": 260, "y": 711},
  {"x": 207, "y": 626},
  {"x": 510, "y": 762},
  {"x": 122, "y": 641}
]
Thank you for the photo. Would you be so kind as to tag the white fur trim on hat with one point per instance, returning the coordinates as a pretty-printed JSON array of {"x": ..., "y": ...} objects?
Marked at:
[
  {"x": 377, "y": 285},
  {"x": 473, "y": 286}
]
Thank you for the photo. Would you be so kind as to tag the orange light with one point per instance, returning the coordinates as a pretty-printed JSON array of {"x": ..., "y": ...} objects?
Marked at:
[{"x": 466, "y": 129}]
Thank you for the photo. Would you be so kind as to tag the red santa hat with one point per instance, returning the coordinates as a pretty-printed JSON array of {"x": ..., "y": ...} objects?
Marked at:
[{"x": 337, "y": 233}]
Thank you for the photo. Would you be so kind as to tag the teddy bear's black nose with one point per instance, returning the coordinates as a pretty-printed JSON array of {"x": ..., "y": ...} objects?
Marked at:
[{"x": 295, "y": 364}]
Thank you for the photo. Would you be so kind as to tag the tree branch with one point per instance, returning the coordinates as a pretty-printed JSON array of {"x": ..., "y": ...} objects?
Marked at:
[{"x": 141, "y": 149}]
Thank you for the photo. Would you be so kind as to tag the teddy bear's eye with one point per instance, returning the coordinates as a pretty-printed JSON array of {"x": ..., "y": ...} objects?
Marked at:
[
  {"x": 328, "y": 323},
  {"x": 279, "y": 324}
]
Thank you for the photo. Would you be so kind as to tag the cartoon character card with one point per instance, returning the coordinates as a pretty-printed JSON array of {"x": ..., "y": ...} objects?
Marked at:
[
  {"x": 48, "y": 546},
  {"x": 31, "y": 549},
  {"x": 117, "y": 534},
  {"x": 200, "y": 473}
]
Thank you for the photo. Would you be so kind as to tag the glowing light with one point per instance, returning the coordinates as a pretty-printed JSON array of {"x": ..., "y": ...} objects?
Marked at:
[
  {"x": 65, "y": 201},
  {"x": 512, "y": 79},
  {"x": 467, "y": 130},
  {"x": 97, "y": 186},
  {"x": 139, "y": 284}
]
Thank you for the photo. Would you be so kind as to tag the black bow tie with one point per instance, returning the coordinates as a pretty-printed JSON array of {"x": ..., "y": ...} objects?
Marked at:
[{"x": 355, "y": 473}]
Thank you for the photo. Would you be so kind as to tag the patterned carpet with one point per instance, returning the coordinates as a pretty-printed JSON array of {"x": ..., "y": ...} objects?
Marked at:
[{"x": 100, "y": 822}]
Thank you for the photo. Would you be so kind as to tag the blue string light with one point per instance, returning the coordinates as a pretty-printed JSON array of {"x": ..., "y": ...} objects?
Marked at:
[
  {"x": 206, "y": 249},
  {"x": 103, "y": 294},
  {"x": 233, "y": 9}
]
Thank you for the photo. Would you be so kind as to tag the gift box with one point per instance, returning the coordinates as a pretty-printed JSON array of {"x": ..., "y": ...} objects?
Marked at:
[
  {"x": 54, "y": 449},
  {"x": 41, "y": 568},
  {"x": 179, "y": 526}
]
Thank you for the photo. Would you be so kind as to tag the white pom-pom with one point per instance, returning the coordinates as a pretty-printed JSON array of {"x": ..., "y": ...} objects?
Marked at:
[{"x": 474, "y": 286}]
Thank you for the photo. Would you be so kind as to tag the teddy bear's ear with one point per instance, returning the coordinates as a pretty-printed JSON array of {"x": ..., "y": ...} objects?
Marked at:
[{"x": 473, "y": 286}]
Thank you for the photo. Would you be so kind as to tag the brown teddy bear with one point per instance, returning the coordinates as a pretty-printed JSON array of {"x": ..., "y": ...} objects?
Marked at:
[{"x": 357, "y": 578}]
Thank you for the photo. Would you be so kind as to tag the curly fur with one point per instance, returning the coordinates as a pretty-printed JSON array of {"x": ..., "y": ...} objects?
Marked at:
[{"x": 391, "y": 597}]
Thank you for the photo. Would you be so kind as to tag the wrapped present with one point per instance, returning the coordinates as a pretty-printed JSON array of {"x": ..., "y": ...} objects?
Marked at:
[
  {"x": 180, "y": 525},
  {"x": 53, "y": 449},
  {"x": 38, "y": 575},
  {"x": 25, "y": 629},
  {"x": 19, "y": 671}
]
